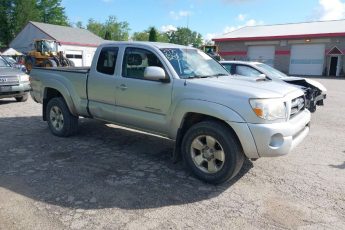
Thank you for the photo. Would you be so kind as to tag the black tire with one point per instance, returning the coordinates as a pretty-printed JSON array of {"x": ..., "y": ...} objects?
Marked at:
[
  {"x": 232, "y": 151},
  {"x": 69, "y": 124},
  {"x": 22, "y": 98},
  {"x": 53, "y": 63},
  {"x": 312, "y": 108},
  {"x": 70, "y": 63},
  {"x": 30, "y": 62},
  {"x": 49, "y": 63}
]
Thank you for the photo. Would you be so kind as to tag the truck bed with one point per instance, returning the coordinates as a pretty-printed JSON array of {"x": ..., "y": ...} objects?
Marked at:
[
  {"x": 67, "y": 69},
  {"x": 67, "y": 80}
]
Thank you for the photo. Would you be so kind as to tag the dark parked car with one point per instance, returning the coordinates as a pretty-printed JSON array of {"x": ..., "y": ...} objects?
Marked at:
[{"x": 15, "y": 63}]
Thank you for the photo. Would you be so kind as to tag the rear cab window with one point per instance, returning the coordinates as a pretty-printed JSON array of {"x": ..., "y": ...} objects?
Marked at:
[{"x": 107, "y": 60}]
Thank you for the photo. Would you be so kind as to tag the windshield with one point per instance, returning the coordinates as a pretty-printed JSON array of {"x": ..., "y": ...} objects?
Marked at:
[
  {"x": 4, "y": 63},
  {"x": 46, "y": 46},
  {"x": 10, "y": 60},
  {"x": 193, "y": 63},
  {"x": 272, "y": 71},
  {"x": 49, "y": 45}
]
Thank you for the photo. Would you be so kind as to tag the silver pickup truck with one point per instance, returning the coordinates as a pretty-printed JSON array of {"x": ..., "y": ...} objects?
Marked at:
[{"x": 180, "y": 93}]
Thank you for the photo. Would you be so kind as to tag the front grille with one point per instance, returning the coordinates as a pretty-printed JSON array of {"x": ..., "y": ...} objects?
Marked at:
[
  {"x": 297, "y": 105},
  {"x": 8, "y": 80}
]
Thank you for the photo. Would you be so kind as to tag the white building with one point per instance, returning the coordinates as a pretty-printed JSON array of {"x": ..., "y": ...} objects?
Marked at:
[{"x": 79, "y": 45}]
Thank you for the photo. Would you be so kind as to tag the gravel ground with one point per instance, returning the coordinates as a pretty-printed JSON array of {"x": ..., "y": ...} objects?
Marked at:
[{"x": 110, "y": 178}]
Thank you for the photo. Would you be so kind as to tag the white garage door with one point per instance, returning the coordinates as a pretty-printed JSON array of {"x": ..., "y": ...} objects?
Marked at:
[
  {"x": 307, "y": 59},
  {"x": 88, "y": 57},
  {"x": 76, "y": 56},
  {"x": 263, "y": 54}
]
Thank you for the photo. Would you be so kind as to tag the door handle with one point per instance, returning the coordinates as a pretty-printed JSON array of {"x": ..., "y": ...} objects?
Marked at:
[{"x": 122, "y": 87}]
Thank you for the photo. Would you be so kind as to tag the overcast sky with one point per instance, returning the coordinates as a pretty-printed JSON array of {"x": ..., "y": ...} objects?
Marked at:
[{"x": 209, "y": 17}]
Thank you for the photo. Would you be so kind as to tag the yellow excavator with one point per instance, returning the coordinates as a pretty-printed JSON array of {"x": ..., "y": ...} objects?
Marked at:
[
  {"x": 46, "y": 54},
  {"x": 212, "y": 51}
]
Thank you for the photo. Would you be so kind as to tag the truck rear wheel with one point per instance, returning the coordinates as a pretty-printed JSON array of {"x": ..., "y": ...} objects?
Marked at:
[
  {"x": 22, "y": 98},
  {"x": 212, "y": 152},
  {"x": 60, "y": 121}
]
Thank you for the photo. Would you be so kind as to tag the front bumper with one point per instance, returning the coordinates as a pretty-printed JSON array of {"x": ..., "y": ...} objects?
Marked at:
[
  {"x": 319, "y": 99},
  {"x": 14, "y": 90},
  {"x": 278, "y": 139}
]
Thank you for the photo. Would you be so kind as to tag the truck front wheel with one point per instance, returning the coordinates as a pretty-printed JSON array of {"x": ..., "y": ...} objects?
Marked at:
[
  {"x": 212, "y": 152},
  {"x": 60, "y": 121}
]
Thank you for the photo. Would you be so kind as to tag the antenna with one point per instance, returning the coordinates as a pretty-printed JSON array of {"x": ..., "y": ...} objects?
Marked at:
[{"x": 188, "y": 38}]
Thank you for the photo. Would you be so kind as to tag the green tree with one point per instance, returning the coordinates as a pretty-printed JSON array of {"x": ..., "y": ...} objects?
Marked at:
[
  {"x": 119, "y": 31},
  {"x": 145, "y": 35},
  {"x": 79, "y": 25},
  {"x": 163, "y": 37},
  {"x": 185, "y": 36},
  {"x": 6, "y": 30},
  {"x": 96, "y": 27},
  {"x": 140, "y": 36},
  {"x": 52, "y": 12},
  {"x": 15, "y": 14},
  {"x": 107, "y": 35},
  {"x": 110, "y": 30},
  {"x": 153, "y": 35},
  {"x": 23, "y": 12}
]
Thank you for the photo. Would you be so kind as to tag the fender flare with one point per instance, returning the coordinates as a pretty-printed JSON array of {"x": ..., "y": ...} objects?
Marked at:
[
  {"x": 234, "y": 120},
  {"x": 63, "y": 90},
  {"x": 203, "y": 107}
]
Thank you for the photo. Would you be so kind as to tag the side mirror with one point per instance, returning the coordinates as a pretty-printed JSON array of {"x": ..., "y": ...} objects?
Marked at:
[
  {"x": 155, "y": 73},
  {"x": 262, "y": 76}
]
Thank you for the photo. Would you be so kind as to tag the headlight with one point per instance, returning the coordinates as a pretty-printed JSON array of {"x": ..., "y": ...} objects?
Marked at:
[
  {"x": 23, "y": 77},
  {"x": 269, "y": 109}
]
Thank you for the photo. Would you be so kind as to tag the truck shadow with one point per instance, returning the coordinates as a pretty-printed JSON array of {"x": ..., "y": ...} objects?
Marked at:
[
  {"x": 7, "y": 101},
  {"x": 103, "y": 166},
  {"x": 341, "y": 166}
]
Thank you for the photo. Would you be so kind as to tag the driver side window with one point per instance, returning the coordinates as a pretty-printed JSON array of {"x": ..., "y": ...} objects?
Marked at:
[
  {"x": 247, "y": 71},
  {"x": 136, "y": 60}
]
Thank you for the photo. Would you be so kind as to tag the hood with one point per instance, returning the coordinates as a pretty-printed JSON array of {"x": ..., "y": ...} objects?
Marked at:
[
  {"x": 311, "y": 82},
  {"x": 247, "y": 86},
  {"x": 10, "y": 72}
]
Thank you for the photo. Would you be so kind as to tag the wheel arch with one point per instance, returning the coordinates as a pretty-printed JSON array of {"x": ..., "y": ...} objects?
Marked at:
[
  {"x": 192, "y": 118},
  {"x": 191, "y": 112},
  {"x": 57, "y": 91},
  {"x": 189, "y": 108}
]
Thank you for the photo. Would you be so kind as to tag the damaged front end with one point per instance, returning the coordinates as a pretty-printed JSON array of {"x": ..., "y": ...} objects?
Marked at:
[{"x": 314, "y": 92}]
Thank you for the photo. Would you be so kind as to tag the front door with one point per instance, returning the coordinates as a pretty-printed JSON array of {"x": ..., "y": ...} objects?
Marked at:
[
  {"x": 142, "y": 103},
  {"x": 333, "y": 66}
]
